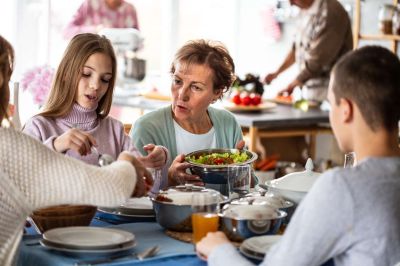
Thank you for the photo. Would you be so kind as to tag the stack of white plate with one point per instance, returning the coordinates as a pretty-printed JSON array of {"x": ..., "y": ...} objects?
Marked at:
[
  {"x": 132, "y": 209},
  {"x": 88, "y": 240},
  {"x": 257, "y": 247}
]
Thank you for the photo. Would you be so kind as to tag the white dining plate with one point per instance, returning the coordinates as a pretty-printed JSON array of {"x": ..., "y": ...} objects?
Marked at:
[
  {"x": 88, "y": 252},
  {"x": 265, "y": 105},
  {"x": 139, "y": 203},
  {"x": 260, "y": 244},
  {"x": 132, "y": 208},
  {"x": 137, "y": 206},
  {"x": 83, "y": 237}
]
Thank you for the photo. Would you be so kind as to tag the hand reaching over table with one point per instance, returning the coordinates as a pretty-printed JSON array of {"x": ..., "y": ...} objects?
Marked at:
[
  {"x": 208, "y": 243},
  {"x": 144, "y": 179},
  {"x": 156, "y": 157}
]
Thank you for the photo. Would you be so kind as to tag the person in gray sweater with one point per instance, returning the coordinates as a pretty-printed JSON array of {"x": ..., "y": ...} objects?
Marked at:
[{"x": 350, "y": 215}]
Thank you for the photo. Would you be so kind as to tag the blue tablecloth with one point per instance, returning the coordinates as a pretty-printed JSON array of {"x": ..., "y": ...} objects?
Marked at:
[{"x": 172, "y": 252}]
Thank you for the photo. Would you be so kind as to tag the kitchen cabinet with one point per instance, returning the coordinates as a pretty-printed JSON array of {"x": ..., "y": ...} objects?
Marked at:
[{"x": 392, "y": 38}]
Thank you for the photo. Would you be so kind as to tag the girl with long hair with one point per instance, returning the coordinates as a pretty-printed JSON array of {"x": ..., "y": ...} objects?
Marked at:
[{"x": 75, "y": 117}]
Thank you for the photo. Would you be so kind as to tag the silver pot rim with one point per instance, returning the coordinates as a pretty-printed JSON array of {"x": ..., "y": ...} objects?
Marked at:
[{"x": 281, "y": 214}]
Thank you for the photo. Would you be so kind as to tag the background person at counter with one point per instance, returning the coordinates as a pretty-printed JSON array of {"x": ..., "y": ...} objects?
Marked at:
[
  {"x": 202, "y": 71},
  {"x": 32, "y": 176},
  {"x": 75, "y": 116},
  {"x": 93, "y": 15},
  {"x": 324, "y": 35},
  {"x": 335, "y": 219}
]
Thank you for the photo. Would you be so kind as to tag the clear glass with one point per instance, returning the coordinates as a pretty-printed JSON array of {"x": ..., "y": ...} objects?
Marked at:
[
  {"x": 349, "y": 159},
  {"x": 239, "y": 178},
  {"x": 205, "y": 207}
]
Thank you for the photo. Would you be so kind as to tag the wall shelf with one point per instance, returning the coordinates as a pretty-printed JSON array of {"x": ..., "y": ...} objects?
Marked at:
[{"x": 357, "y": 36}]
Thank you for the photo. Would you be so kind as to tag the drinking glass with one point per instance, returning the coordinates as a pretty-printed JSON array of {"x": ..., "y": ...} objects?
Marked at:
[
  {"x": 349, "y": 159},
  {"x": 239, "y": 178},
  {"x": 205, "y": 207}
]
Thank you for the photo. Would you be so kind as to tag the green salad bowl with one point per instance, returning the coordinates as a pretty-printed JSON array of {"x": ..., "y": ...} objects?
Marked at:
[{"x": 216, "y": 174}]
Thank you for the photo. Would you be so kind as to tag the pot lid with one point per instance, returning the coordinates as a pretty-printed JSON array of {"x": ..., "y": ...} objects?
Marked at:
[
  {"x": 186, "y": 188},
  {"x": 251, "y": 212},
  {"x": 274, "y": 201},
  {"x": 297, "y": 181},
  {"x": 182, "y": 195}
]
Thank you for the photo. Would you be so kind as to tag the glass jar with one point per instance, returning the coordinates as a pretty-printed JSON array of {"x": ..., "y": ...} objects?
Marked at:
[
  {"x": 396, "y": 22},
  {"x": 386, "y": 13}
]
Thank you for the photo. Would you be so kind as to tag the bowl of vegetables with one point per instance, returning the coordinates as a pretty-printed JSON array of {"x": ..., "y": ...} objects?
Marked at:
[{"x": 212, "y": 165}]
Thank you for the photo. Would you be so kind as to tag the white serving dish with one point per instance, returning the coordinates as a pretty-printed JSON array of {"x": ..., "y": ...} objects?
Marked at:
[{"x": 294, "y": 186}]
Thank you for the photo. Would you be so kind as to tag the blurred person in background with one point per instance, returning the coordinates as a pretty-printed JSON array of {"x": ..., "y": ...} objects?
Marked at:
[
  {"x": 324, "y": 35},
  {"x": 94, "y": 15}
]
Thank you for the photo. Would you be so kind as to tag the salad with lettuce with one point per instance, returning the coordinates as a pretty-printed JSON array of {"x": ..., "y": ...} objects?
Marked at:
[{"x": 219, "y": 158}]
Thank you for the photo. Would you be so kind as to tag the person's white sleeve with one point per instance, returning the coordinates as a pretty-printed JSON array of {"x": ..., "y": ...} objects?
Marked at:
[
  {"x": 318, "y": 229},
  {"x": 227, "y": 254},
  {"x": 49, "y": 178}
]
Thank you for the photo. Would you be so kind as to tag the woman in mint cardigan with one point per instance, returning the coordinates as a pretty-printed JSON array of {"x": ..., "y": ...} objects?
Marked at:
[{"x": 202, "y": 71}]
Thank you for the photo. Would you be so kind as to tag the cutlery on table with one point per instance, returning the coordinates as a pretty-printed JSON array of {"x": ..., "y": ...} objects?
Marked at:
[
  {"x": 103, "y": 159},
  {"x": 147, "y": 253}
]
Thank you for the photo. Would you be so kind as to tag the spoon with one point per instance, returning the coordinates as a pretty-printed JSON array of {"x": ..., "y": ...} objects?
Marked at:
[{"x": 103, "y": 159}]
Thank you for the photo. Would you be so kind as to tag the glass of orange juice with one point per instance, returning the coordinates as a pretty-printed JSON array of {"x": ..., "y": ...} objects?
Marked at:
[{"x": 205, "y": 206}]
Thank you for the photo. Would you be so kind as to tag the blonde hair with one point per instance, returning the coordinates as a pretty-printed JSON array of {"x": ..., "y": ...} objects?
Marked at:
[
  {"x": 69, "y": 72},
  {"x": 6, "y": 69}
]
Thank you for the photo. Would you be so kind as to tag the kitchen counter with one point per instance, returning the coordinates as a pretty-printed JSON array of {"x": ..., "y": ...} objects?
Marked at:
[
  {"x": 285, "y": 121},
  {"x": 281, "y": 121}
]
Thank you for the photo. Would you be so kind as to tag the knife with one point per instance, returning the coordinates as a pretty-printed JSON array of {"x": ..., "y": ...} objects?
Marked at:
[{"x": 140, "y": 256}]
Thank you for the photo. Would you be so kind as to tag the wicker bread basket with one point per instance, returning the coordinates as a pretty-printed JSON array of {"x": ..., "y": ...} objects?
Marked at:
[{"x": 62, "y": 216}]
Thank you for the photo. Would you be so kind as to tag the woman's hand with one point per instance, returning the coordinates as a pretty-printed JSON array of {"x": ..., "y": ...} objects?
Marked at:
[
  {"x": 156, "y": 157},
  {"x": 144, "y": 180},
  {"x": 177, "y": 172},
  {"x": 208, "y": 243},
  {"x": 240, "y": 145},
  {"x": 75, "y": 139}
]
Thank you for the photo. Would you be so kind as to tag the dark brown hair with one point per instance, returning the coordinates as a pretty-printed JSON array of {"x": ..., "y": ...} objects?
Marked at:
[
  {"x": 69, "y": 72},
  {"x": 212, "y": 54},
  {"x": 370, "y": 76},
  {"x": 6, "y": 69}
]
